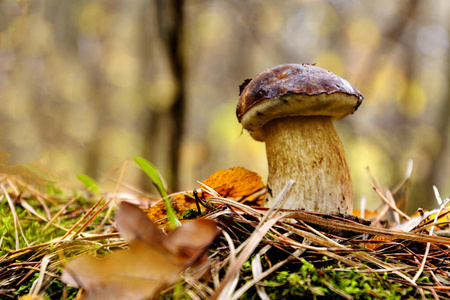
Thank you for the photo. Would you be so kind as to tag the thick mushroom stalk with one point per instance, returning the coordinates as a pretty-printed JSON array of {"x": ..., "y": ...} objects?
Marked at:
[
  {"x": 309, "y": 151},
  {"x": 290, "y": 108}
]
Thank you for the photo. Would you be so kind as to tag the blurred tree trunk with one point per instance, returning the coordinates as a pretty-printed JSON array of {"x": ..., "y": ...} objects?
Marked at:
[
  {"x": 176, "y": 59},
  {"x": 94, "y": 147},
  {"x": 170, "y": 20},
  {"x": 151, "y": 118},
  {"x": 99, "y": 104}
]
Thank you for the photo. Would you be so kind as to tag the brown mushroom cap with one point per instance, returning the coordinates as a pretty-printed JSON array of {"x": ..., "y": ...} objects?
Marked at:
[{"x": 294, "y": 90}]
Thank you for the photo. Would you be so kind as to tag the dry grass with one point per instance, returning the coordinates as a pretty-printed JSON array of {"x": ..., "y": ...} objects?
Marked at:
[
  {"x": 260, "y": 252},
  {"x": 49, "y": 229}
]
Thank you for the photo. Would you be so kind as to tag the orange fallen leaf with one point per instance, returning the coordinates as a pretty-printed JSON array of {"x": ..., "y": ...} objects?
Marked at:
[
  {"x": 31, "y": 297},
  {"x": 236, "y": 183},
  {"x": 377, "y": 241},
  {"x": 368, "y": 214},
  {"x": 181, "y": 203},
  {"x": 152, "y": 260}
]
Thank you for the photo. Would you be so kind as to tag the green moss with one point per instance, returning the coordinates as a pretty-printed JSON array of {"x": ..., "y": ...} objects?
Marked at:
[
  {"x": 34, "y": 233},
  {"x": 308, "y": 282},
  {"x": 32, "y": 229}
]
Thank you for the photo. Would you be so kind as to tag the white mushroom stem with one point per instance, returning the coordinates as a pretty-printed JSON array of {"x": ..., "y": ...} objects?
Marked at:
[{"x": 309, "y": 151}]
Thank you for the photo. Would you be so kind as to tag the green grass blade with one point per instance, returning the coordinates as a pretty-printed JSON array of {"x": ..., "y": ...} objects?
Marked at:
[
  {"x": 89, "y": 183},
  {"x": 154, "y": 175}
]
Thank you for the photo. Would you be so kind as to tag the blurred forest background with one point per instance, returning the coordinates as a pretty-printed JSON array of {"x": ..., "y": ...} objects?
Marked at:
[{"x": 86, "y": 85}]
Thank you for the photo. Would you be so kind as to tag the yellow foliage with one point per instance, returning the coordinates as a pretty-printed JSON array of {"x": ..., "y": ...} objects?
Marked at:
[
  {"x": 363, "y": 32},
  {"x": 412, "y": 99},
  {"x": 330, "y": 60}
]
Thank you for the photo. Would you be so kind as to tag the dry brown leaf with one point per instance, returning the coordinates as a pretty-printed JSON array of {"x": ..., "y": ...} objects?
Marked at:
[
  {"x": 236, "y": 183},
  {"x": 133, "y": 224},
  {"x": 152, "y": 260},
  {"x": 136, "y": 273}
]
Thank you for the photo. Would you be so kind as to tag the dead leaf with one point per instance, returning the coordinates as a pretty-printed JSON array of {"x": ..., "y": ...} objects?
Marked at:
[
  {"x": 181, "y": 203},
  {"x": 417, "y": 220},
  {"x": 368, "y": 214},
  {"x": 152, "y": 260},
  {"x": 188, "y": 242},
  {"x": 377, "y": 241},
  {"x": 135, "y": 225},
  {"x": 136, "y": 273},
  {"x": 236, "y": 183},
  {"x": 31, "y": 297},
  {"x": 442, "y": 218}
]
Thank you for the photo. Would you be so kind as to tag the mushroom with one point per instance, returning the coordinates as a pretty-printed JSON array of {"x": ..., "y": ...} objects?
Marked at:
[{"x": 291, "y": 108}]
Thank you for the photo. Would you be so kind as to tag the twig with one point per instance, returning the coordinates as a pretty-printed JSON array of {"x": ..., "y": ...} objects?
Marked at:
[
  {"x": 362, "y": 213},
  {"x": 427, "y": 250},
  {"x": 408, "y": 174},
  {"x": 29, "y": 208},
  {"x": 238, "y": 205},
  {"x": 254, "y": 240},
  {"x": 394, "y": 211},
  {"x": 374, "y": 180},
  {"x": 359, "y": 228},
  {"x": 209, "y": 190},
  {"x": 60, "y": 212},
  {"x": 37, "y": 284},
  {"x": 257, "y": 269},
  {"x": 381, "y": 214},
  {"x": 15, "y": 219},
  {"x": 406, "y": 182},
  {"x": 391, "y": 205},
  {"x": 233, "y": 279},
  {"x": 90, "y": 219},
  {"x": 279, "y": 201},
  {"x": 261, "y": 276},
  {"x": 82, "y": 219},
  {"x": 116, "y": 190},
  {"x": 437, "y": 195}
]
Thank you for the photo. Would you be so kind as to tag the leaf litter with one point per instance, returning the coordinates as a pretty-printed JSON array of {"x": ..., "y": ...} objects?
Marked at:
[
  {"x": 153, "y": 259},
  {"x": 232, "y": 249}
]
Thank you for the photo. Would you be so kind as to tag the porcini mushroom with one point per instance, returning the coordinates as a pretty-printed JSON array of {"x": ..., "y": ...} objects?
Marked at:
[{"x": 291, "y": 108}]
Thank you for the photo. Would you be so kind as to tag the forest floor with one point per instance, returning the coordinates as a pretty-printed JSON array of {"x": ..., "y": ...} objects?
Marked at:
[{"x": 227, "y": 246}]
